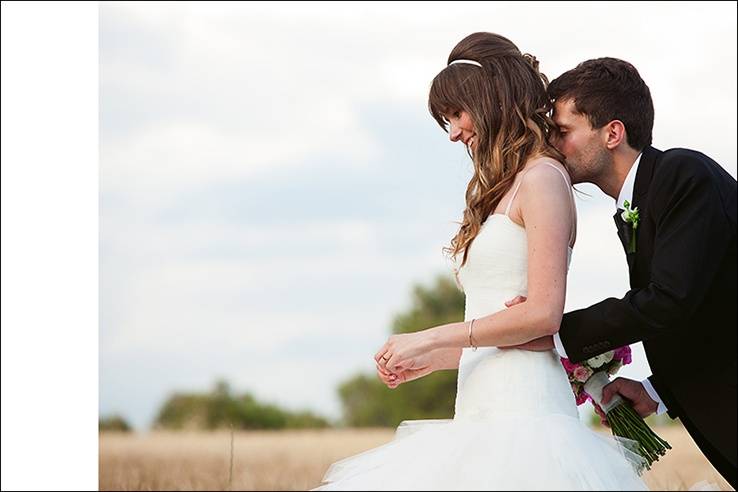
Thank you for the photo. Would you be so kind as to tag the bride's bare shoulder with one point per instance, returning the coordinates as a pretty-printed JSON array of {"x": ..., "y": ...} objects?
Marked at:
[{"x": 543, "y": 165}]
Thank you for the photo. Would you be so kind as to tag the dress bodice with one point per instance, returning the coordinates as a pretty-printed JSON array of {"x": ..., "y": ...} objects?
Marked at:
[
  {"x": 496, "y": 269},
  {"x": 493, "y": 381}
]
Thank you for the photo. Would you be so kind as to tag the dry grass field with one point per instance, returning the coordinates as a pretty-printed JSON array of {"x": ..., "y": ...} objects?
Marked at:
[{"x": 296, "y": 460}]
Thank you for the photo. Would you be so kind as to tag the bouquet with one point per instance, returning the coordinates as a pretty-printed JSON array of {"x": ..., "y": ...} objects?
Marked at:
[{"x": 587, "y": 379}]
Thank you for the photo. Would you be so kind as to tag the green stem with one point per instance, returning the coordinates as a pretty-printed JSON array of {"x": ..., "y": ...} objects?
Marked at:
[{"x": 626, "y": 423}]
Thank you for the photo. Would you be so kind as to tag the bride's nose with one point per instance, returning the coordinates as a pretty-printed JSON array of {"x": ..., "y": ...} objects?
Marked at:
[{"x": 454, "y": 133}]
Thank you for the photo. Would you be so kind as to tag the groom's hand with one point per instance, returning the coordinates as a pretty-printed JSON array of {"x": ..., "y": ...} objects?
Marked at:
[
  {"x": 516, "y": 300},
  {"x": 633, "y": 391},
  {"x": 536, "y": 345}
]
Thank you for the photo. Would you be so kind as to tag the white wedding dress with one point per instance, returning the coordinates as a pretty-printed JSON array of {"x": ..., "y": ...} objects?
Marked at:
[{"x": 515, "y": 424}]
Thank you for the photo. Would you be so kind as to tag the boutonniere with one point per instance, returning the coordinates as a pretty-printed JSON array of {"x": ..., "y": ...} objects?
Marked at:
[{"x": 631, "y": 217}]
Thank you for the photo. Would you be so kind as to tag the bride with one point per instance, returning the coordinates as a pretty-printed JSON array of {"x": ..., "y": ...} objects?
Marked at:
[{"x": 515, "y": 424}]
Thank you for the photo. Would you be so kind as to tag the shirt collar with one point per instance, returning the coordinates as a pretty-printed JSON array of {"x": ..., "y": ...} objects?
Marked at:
[{"x": 626, "y": 192}]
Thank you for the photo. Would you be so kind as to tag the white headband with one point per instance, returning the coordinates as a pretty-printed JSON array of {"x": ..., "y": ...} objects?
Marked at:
[{"x": 472, "y": 62}]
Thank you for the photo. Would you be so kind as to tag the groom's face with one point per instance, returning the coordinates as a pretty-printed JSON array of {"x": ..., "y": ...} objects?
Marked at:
[{"x": 583, "y": 146}]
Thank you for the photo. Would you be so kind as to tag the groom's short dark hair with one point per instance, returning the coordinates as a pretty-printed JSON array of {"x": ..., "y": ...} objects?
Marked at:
[{"x": 606, "y": 89}]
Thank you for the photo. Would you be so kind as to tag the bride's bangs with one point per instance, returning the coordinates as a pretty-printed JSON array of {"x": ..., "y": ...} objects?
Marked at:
[{"x": 444, "y": 97}]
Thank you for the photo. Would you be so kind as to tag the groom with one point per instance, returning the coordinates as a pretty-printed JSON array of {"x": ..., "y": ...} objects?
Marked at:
[{"x": 681, "y": 254}]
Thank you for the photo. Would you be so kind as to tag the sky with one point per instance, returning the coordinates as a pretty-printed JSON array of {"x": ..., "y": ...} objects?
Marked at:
[{"x": 271, "y": 184}]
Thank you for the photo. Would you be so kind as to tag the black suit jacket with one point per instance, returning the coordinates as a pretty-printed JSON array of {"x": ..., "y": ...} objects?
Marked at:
[{"x": 682, "y": 302}]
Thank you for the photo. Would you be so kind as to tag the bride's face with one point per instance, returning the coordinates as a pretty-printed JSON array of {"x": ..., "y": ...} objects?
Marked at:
[{"x": 461, "y": 128}]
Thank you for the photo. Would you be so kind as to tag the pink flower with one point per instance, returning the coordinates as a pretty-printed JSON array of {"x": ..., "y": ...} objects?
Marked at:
[
  {"x": 582, "y": 397},
  {"x": 568, "y": 365},
  {"x": 623, "y": 354},
  {"x": 582, "y": 373}
]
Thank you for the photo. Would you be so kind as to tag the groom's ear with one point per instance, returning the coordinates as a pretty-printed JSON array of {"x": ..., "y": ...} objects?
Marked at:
[{"x": 614, "y": 134}]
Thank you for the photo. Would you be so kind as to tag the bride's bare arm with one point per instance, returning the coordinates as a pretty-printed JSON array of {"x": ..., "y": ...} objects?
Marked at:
[
  {"x": 545, "y": 206},
  {"x": 443, "y": 358}
]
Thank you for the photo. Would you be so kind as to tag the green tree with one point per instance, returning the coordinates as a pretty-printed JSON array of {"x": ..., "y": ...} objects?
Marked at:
[
  {"x": 113, "y": 423},
  {"x": 183, "y": 411},
  {"x": 366, "y": 401},
  {"x": 220, "y": 408}
]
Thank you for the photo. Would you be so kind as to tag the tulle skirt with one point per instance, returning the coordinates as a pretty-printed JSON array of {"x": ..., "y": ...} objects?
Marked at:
[{"x": 507, "y": 452}]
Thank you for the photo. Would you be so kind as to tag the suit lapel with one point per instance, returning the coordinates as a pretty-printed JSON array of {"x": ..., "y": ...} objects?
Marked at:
[
  {"x": 621, "y": 229},
  {"x": 643, "y": 178},
  {"x": 644, "y": 175},
  {"x": 624, "y": 233}
]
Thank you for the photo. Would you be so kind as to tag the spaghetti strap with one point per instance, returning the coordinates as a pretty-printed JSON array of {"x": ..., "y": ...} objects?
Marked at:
[{"x": 507, "y": 210}]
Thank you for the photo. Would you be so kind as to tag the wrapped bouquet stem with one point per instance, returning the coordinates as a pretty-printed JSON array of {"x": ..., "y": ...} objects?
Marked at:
[
  {"x": 589, "y": 377},
  {"x": 625, "y": 422}
]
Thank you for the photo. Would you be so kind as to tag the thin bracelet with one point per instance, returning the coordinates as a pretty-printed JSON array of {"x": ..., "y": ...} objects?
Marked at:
[{"x": 471, "y": 342}]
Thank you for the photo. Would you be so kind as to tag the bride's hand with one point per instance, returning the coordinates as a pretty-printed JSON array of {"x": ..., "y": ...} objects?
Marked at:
[
  {"x": 401, "y": 350},
  {"x": 403, "y": 375},
  {"x": 422, "y": 365}
]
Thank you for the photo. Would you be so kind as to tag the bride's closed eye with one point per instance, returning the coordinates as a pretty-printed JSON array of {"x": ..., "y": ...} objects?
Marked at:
[{"x": 455, "y": 114}]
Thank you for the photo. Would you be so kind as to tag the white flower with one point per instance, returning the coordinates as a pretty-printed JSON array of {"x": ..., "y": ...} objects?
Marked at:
[
  {"x": 599, "y": 360},
  {"x": 629, "y": 215}
]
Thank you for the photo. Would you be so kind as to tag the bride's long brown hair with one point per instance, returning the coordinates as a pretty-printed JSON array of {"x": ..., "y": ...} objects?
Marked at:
[{"x": 511, "y": 113}]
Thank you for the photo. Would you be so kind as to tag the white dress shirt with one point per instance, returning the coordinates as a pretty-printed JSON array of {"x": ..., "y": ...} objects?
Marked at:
[{"x": 626, "y": 193}]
